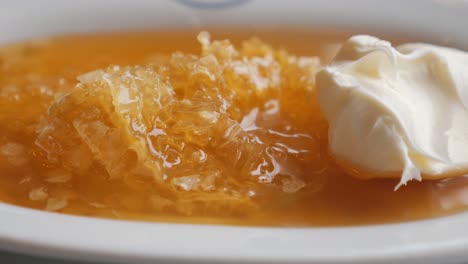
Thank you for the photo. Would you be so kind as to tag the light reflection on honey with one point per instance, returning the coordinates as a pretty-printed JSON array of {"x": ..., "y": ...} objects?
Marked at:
[{"x": 273, "y": 170}]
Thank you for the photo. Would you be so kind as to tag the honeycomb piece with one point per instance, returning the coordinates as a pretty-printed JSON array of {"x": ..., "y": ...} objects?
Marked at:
[{"x": 202, "y": 133}]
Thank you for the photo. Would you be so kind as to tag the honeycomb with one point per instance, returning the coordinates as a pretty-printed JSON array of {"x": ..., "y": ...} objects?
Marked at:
[{"x": 200, "y": 133}]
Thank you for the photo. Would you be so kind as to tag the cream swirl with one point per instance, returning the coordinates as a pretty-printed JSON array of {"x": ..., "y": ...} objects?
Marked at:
[{"x": 397, "y": 111}]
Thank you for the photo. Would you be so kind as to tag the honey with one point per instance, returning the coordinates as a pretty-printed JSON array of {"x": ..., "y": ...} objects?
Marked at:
[{"x": 158, "y": 126}]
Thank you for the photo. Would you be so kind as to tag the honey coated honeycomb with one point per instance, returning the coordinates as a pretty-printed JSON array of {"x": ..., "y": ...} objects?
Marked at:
[{"x": 199, "y": 132}]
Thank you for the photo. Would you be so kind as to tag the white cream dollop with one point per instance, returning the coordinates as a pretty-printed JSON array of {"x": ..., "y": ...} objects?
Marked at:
[{"x": 397, "y": 111}]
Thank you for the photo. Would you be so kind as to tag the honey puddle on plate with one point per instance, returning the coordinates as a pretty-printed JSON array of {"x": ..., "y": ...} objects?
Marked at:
[{"x": 158, "y": 126}]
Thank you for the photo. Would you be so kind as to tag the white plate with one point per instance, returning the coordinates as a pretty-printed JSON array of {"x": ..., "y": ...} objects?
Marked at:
[{"x": 443, "y": 240}]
